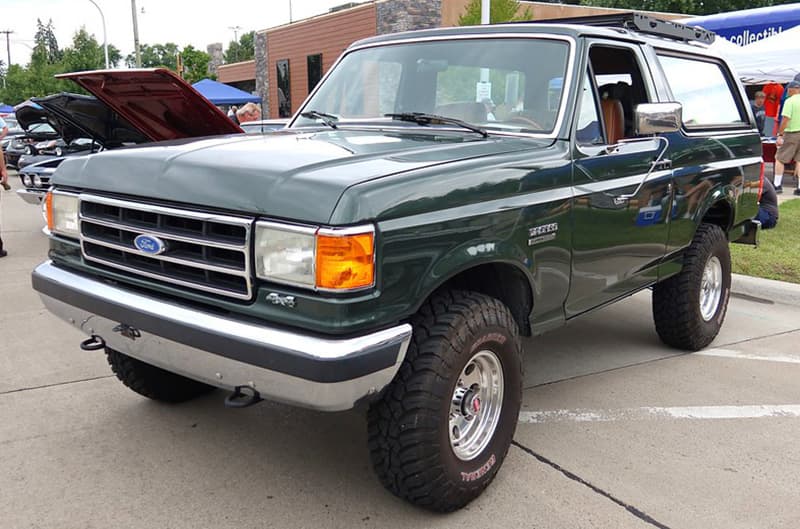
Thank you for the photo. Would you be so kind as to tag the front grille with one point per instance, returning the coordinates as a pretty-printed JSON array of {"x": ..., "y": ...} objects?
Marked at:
[{"x": 204, "y": 251}]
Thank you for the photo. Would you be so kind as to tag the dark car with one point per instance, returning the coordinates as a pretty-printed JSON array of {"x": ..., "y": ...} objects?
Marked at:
[
  {"x": 24, "y": 142},
  {"x": 80, "y": 125},
  {"x": 87, "y": 124}
]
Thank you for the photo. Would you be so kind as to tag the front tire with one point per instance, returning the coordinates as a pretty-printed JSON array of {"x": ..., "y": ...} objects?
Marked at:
[
  {"x": 689, "y": 308},
  {"x": 444, "y": 425},
  {"x": 154, "y": 382}
]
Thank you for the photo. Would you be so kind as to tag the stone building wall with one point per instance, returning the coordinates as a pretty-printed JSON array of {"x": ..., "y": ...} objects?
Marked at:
[
  {"x": 262, "y": 72},
  {"x": 216, "y": 58},
  {"x": 394, "y": 16}
]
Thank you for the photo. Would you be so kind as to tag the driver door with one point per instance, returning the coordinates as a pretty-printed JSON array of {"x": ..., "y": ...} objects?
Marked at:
[{"x": 622, "y": 195}]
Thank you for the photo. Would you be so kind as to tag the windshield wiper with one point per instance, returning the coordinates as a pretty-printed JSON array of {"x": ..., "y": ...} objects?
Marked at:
[
  {"x": 423, "y": 118},
  {"x": 328, "y": 119}
]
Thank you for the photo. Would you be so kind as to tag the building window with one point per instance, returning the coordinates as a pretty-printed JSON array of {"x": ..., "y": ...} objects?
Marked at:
[
  {"x": 314, "y": 64},
  {"x": 284, "y": 92}
]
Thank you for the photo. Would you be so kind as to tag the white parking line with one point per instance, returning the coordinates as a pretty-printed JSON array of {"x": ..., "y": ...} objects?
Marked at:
[
  {"x": 728, "y": 353},
  {"x": 654, "y": 413}
]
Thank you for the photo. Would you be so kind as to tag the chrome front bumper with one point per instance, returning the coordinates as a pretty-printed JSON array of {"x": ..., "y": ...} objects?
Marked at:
[
  {"x": 315, "y": 372},
  {"x": 31, "y": 196}
]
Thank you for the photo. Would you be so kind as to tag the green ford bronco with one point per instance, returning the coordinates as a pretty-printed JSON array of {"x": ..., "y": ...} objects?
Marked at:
[{"x": 439, "y": 195}]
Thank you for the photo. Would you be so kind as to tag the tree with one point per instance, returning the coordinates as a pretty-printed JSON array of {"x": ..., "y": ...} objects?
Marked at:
[
  {"x": 195, "y": 64},
  {"x": 244, "y": 50},
  {"x": 156, "y": 56},
  {"x": 46, "y": 48},
  {"x": 500, "y": 11},
  {"x": 689, "y": 7},
  {"x": 87, "y": 54}
]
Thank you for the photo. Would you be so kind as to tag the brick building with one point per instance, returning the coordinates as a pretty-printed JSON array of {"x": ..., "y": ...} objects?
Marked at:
[{"x": 291, "y": 59}]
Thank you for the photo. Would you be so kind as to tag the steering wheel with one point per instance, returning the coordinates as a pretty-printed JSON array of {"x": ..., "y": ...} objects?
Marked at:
[{"x": 525, "y": 120}]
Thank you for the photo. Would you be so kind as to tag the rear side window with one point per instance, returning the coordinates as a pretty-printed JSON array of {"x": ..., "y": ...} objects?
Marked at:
[{"x": 705, "y": 91}]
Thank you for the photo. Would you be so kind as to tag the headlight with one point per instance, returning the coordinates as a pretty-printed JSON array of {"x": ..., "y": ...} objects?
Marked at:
[
  {"x": 37, "y": 181},
  {"x": 62, "y": 213},
  {"x": 285, "y": 253},
  {"x": 323, "y": 259},
  {"x": 26, "y": 179}
]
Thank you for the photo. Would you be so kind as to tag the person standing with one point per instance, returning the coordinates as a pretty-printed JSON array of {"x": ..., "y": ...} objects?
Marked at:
[
  {"x": 788, "y": 140},
  {"x": 758, "y": 110},
  {"x": 773, "y": 93},
  {"x": 249, "y": 112},
  {"x": 3, "y": 180}
]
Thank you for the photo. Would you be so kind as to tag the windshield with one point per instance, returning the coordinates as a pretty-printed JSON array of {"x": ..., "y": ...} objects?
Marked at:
[{"x": 512, "y": 84}]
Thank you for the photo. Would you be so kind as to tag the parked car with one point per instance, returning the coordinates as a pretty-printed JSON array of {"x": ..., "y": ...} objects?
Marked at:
[
  {"x": 439, "y": 194},
  {"x": 263, "y": 125},
  {"x": 86, "y": 125},
  {"x": 22, "y": 144}
]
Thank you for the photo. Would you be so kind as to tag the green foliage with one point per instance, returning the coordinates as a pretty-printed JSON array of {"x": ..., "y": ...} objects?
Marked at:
[
  {"x": 195, "y": 64},
  {"x": 37, "y": 78},
  {"x": 244, "y": 50},
  {"x": 776, "y": 255},
  {"x": 45, "y": 51},
  {"x": 500, "y": 11},
  {"x": 87, "y": 54},
  {"x": 156, "y": 56},
  {"x": 689, "y": 7}
]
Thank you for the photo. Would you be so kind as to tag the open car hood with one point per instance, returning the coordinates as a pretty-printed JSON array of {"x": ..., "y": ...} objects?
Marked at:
[
  {"x": 157, "y": 102},
  {"x": 29, "y": 115},
  {"x": 80, "y": 116}
]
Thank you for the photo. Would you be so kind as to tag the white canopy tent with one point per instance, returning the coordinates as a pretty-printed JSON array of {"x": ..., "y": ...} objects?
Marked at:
[{"x": 776, "y": 58}]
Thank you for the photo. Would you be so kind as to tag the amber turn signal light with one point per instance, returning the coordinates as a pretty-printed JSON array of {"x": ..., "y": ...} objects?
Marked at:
[
  {"x": 345, "y": 262},
  {"x": 48, "y": 200}
]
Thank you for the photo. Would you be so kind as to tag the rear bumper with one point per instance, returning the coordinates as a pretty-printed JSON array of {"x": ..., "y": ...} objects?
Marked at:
[{"x": 315, "y": 372}]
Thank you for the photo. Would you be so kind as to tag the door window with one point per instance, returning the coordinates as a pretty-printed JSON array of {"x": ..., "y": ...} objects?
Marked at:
[
  {"x": 704, "y": 91},
  {"x": 588, "y": 129}
]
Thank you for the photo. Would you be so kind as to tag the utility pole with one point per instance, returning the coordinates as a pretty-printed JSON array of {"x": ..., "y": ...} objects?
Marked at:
[
  {"x": 8, "y": 45},
  {"x": 136, "y": 35}
]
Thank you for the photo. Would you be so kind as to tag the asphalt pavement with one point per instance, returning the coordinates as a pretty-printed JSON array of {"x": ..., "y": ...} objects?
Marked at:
[{"x": 617, "y": 431}]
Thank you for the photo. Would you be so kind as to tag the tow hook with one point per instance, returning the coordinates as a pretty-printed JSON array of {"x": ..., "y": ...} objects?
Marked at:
[
  {"x": 93, "y": 343},
  {"x": 242, "y": 397}
]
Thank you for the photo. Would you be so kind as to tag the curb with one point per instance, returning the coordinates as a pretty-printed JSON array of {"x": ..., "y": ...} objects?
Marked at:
[{"x": 766, "y": 289}]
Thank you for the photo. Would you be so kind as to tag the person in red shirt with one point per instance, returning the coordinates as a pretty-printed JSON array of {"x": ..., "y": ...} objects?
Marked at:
[{"x": 774, "y": 93}]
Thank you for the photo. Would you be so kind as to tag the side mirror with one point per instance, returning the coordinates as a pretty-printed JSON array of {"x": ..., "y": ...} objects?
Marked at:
[{"x": 653, "y": 118}]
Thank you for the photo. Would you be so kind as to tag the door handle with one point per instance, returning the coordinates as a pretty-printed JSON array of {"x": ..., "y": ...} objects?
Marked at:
[{"x": 660, "y": 165}]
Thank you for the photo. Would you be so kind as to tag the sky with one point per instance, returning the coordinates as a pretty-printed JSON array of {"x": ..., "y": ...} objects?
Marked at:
[{"x": 180, "y": 21}]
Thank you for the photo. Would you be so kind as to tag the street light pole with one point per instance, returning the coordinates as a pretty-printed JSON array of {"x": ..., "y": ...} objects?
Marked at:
[
  {"x": 136, "y": 35},
  {"x": 105, "y": 40}
]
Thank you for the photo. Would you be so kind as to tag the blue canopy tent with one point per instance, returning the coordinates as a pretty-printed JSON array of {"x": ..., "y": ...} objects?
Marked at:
[
  {"x": 222, "y": 94},
  {"x": 749, "y": 25},
  {"x": 6, "y": 109}
]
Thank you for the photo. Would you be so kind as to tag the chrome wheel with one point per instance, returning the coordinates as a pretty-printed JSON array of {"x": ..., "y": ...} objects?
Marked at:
[
  {"x": 476, "y": 405},
  {"x": 711, "y": 288}
]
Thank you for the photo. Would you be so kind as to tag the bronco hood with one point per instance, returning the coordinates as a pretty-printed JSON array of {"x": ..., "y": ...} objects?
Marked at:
[
  {"x": 291, "y": 174},
  {"x": 157, "y": 102}
]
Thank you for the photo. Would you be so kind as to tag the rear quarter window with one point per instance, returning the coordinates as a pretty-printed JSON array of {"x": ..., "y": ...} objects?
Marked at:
[{"x": 706, "y": 92}]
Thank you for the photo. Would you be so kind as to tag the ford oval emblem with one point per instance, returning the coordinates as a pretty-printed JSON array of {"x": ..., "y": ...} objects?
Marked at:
[{"x": 149, "y": 244}]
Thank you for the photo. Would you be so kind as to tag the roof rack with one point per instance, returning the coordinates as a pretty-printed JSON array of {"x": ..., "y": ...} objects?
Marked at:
[{"x": 640, "y": 23}]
